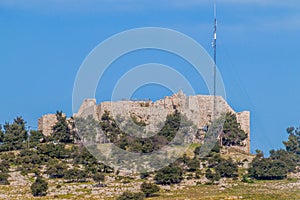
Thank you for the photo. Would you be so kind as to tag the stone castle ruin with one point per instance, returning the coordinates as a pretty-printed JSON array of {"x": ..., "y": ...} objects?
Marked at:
[{"x": 198, "y": 108}]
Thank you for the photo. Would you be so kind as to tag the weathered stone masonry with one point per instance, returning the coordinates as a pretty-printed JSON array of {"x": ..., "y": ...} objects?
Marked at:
[{"x": 198, "y": 108}]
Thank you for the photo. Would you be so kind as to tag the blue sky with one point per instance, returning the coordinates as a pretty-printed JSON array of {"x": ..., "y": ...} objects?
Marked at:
[{"x": 43, "y": 43}]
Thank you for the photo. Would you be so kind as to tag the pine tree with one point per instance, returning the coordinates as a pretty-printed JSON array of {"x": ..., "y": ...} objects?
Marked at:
[
  {"x": 293, "y": 143},
  {"x": 61, "y": 130},
  {"x": 15, "y": 135},
  {"x": 232, "y": 134}
]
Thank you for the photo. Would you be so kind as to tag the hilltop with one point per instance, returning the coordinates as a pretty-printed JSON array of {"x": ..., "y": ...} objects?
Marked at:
[{"x": 60, "y": 165}]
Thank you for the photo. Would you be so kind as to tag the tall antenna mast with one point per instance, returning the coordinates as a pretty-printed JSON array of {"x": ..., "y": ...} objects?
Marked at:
[
  {"x": 215, "y": 56},
  {"x": 215, "y": 33}
]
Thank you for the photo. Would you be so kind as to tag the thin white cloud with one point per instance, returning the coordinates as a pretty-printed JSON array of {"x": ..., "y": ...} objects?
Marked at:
[
  {"x": 240, "y": 2},
  {"x": 68, "y": 5},
  {"x": 290, "y": 21},
  {"x": 132, "y": 5}
]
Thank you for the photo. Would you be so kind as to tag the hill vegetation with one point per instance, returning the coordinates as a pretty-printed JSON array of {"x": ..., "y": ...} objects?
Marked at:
[{"x": 50, "y": 162}]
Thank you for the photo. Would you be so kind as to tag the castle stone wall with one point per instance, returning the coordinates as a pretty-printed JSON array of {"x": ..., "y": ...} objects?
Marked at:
[
  {"x": 46, "y": 122},
  {"x": 88, "y": 107},
  {"x": 198, "y": 108},
  {"x": 244, "y": 119}
]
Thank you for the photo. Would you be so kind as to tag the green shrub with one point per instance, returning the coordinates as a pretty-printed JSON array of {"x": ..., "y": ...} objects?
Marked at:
[
  {"x": 3, "y": 178},
  {"x": 75, "y": 175},
  {"x": 193, "y": 165},
  {"x": 247, "y": 179},
  {"x": 149, "y": 188},
  {"x": 56, "y": 170},
  {"x": 268, "y": 169},
  {"x": 212, "y": 176},
  {"x": 131, "y": 196},
  {"x": 39, "y": 187},
  {"x": 98, "y": 177},
  {"x": 169, "y": 175}
]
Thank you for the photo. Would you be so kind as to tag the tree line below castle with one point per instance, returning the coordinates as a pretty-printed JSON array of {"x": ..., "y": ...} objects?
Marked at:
[{"x": 51, "y": 157}]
